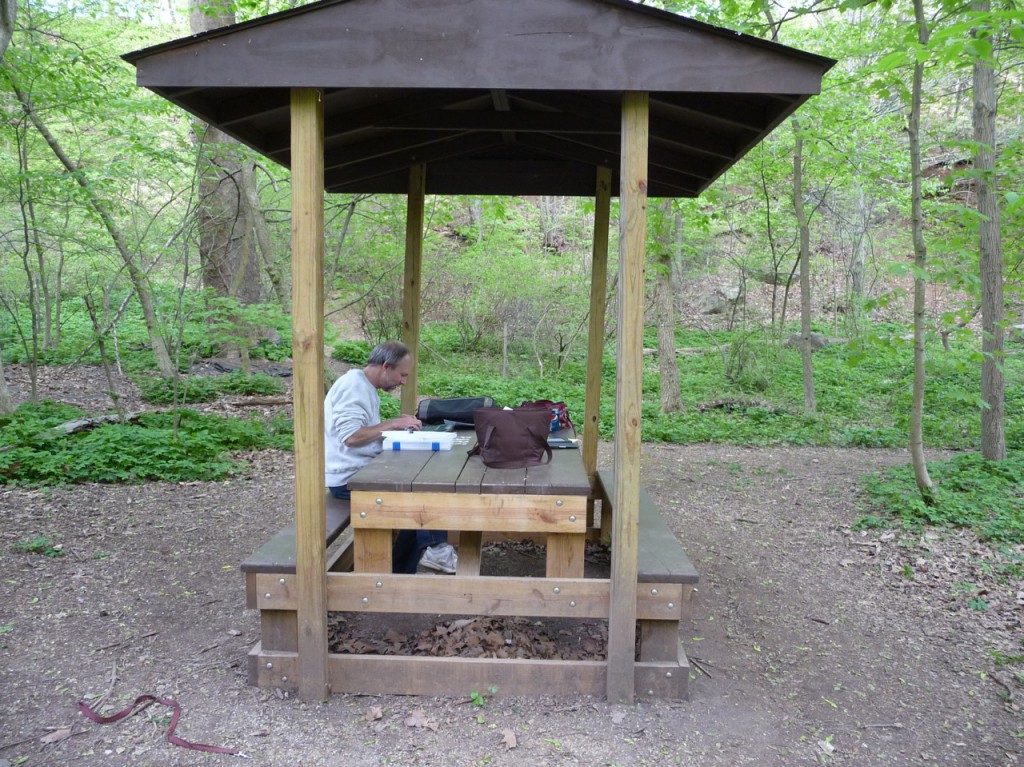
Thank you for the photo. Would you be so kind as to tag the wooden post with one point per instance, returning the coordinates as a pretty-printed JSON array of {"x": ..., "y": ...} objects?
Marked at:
[
  {"x": 307, "y": 111},
  {"x": 412, "y": 285},
  {"x": 595, "y": 341},
  {"x": 628, "y": 395}
]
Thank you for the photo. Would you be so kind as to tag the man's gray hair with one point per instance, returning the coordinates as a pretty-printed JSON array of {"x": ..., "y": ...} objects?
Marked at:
[{"x": 388, "y": 353}]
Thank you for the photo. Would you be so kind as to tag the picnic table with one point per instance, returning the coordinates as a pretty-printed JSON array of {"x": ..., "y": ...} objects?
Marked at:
[{"x": 452, "y": 490}]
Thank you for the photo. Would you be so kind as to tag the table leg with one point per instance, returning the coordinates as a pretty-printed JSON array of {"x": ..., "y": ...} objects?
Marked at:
[
  {"x": 469, "y": 552},
  {"x": 372, "y": 549},
  {"x": 565, "y": 555}
]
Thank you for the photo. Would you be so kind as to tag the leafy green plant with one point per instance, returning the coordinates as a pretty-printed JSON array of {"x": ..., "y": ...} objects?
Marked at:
[
  {"x": 353, "y": 352},
  {"x": 184, "y": 389},
  {"x": 41, "y": 545},
  {"x": 970, "y": 492},
  {"x": 176, "y": 445}
]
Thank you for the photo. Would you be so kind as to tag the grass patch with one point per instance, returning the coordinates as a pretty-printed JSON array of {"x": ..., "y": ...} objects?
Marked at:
[
  {"x": 985, "y": 496},
  {"x": 184, "y": 389},
  {"x": 175, "y": 446}
]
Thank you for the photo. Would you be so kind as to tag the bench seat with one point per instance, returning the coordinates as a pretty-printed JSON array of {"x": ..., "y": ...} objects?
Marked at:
[
  {"x": 661, "y": 558},
  {"x": 278, "y": 554},
  {"x": 661, "y": 563}
]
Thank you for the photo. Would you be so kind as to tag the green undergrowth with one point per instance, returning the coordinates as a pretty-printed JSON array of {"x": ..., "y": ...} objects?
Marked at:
[
  {"x": 174, "y": 445},
  {"x": 986, "y": 497},
  {"x": 748, "y": 390},
  {"x": 200, "y": 388}
]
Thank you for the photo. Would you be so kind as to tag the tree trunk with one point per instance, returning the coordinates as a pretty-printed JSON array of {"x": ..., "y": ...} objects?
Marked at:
[
  {"x": 228, "y": 249},
  {"x": 924, "y": 482},
  {"x": 8, "y": 10},
  {"x": 806, "y": 352},
  {"x": 990, "y": 257},
  {"x": 668, "y": 366},
  {"x": 6, "y": 400},
  {"x": 135, "y": 272}
]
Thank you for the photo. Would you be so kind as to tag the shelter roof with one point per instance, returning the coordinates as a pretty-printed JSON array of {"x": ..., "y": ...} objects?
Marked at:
[{"x": 494, "y": 96}]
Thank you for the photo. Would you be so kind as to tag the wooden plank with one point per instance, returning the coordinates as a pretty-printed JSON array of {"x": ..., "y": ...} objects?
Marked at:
[
  {"x": 414, "y": 675},
  {"x": 269, "y": 668},
  {"x": 412, "y": 283},
  {"x": 470, "y": 544},
  {"x": 598, "y": 302},
  {"x": 461, "y": 511},
  {"x": 565, "y": 555},
  {"x": 308, "y": 390},
  {"x": 662, "y": 558},
  {"x": 473, "y": 595},
  {"x": 277, "y": 555},
  {"x": 659, "y": 640},
  {"x": 629, "y": 394},
  {"x": 480, "y": 595},
  {"x": 503, "y": 480},
  {"x": 371, "y": 551},
  {"x": 441, "y": 472},
  {"x": 393, "y": 470},
  {"x": 664, "y": 679},
  {"x": 472, "y": 476},
  {"x": 565, "y": 475}
]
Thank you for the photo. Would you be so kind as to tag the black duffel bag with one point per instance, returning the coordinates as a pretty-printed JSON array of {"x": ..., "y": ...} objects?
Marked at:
[{"x": 456, "y": 410}]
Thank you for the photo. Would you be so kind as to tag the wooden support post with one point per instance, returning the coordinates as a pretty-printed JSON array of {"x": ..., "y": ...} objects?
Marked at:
[
  {"x": 307, "y": 111},
  {"x": 595, "y": 341},
  {"x": 628, "y": 396},
  {"x": 412, "y": 284}
]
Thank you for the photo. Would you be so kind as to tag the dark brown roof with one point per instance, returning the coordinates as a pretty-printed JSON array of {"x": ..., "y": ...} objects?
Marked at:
[{"x": 495, "y": 96}]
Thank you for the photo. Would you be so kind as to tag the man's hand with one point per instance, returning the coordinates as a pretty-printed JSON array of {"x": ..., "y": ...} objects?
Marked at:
[{"x": 403, "y": 422}]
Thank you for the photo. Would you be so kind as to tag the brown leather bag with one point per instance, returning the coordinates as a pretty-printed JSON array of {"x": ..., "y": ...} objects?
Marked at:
[{"x": 512, "y": 439}]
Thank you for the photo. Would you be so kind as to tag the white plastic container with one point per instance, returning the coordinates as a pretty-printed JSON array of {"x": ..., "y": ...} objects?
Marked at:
[{"x": 418, "y": 440}]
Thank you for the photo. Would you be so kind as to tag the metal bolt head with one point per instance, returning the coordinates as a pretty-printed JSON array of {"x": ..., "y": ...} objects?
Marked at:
[
  {"x": 559, "y": 502},
  {"x": 654, "y": 592},
  {"x": 379, "y": 501},
  {"x": 668, "y": 674},
  {"x": 284, "y": 679},
  {"x": 572, "y": 518},
  {"x": 281, "y": 581},
  {"x": 267, "y": 595},
  {"x": 366, "y": 600},
  {"x": 572, "y": 604},
  {"x": 270, "y": 665},
  {"x": 362, "y": 515},
  {"x": 671, "y": 605},
  {"x": 380, "y": 585},
  {"x": 557, "y": 590}
]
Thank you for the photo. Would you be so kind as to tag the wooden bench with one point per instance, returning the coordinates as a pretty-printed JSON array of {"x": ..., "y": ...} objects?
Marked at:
[
  {"x": 661, "y": 560},
  {"x": 279, "y": 629}
]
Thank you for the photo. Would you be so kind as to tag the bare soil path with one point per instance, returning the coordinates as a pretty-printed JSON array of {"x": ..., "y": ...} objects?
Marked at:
[{"x": 819, "y": 645}]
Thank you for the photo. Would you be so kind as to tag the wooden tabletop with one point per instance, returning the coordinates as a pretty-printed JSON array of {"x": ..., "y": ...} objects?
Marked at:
[{"x": 455, "y": 471}]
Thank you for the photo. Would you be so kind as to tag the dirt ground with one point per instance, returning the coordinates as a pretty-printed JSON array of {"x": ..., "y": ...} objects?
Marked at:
[{"x": 815, "y": 644}]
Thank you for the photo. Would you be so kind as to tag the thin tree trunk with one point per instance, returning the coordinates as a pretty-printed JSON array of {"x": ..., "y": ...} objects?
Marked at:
[
  {"x": 806, "y": 352},
  {"x": 135, "y": 273},
  {"x": 990, "y": 257},
  {"x": 668, "y": 366},
  {"x": 924, "y": 481},
  {"x": 6, "y": 400}
]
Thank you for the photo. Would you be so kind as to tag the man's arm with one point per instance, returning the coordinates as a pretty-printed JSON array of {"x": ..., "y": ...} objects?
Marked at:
[{"x": 367, "y": 434}]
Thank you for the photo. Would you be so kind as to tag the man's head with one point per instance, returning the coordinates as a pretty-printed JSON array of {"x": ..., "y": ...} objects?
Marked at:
[{"x": 389, "y": 365}]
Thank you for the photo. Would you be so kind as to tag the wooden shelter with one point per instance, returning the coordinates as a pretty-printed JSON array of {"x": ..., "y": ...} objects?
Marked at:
[{"x": 532, "y": 97}]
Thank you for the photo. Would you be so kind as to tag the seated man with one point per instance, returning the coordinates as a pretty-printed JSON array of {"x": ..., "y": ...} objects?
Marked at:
[{"x": 353, "y": 436}]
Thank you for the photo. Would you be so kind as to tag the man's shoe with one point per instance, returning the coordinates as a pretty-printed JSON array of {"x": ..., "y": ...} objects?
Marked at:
[{"x": 439, "y": 558}]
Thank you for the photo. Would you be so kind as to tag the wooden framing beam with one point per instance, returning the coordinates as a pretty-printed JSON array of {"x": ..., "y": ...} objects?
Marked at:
[
  {"x": 628, "y": 395},
  {"x": 308, "y": 371},
  {"x": 413, "y": 275},
  {"x": 595, "y": 337},
  {"x": 491, "y": 595}
]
